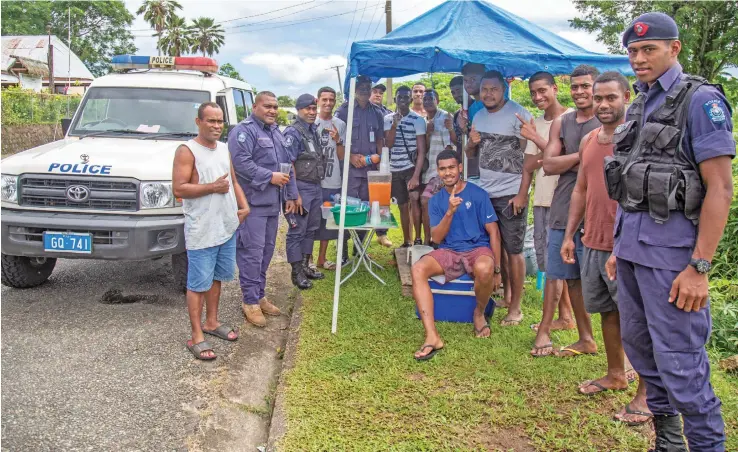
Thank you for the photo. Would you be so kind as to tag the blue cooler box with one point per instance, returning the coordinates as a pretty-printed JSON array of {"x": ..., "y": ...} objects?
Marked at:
[{"x": 455, "y": 301}]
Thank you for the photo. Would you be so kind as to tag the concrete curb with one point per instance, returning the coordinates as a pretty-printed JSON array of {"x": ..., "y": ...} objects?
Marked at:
[{"x": 278, "y": 424}]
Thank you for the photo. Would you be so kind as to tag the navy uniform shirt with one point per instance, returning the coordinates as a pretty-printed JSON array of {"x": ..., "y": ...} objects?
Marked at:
[
  {"x": 368, "y": 127},
  {"x": 293, "y": 137},
  {"x": 669, "y": 246},
  {"x": 256, "y": 152}
]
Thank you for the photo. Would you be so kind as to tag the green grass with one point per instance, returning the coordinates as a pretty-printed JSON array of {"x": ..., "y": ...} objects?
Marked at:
[{"x": 362, "y": 390}]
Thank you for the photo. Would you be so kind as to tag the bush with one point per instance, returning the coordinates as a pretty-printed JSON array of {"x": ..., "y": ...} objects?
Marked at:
[{"x": 28, "y": 107}]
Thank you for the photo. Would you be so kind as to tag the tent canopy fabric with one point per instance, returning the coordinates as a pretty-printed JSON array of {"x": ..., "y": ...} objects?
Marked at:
[{"x": 459, "y": 32}]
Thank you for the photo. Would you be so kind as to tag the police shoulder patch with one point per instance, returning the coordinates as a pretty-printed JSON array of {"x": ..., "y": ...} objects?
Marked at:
[
  {"x": 288, "y": 140},
  {"x": 241, "y": 137},
  {"x": 715, "y": 110}
]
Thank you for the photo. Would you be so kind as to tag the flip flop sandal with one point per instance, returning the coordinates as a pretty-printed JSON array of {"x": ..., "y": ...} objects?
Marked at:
[
  {"x": 629, "y": 410},
  {"x": 599, "y": 387},
  {"x": 430, "y": 355},
  {"x": 222, "y": 332},
  {"x": 406, "y": 245},
  {"x": 418, "y": 242},
  {"x": 479, "y": 331},
  {"x": 574, "y": 352},
  {"x": 542, "y": 347},
  {"x": 200, "y": 348},
  {"x": 329, "y": 265}
]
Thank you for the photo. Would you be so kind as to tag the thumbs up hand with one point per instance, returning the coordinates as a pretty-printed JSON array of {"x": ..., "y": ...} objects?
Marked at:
[
  {"x": 475, "y": 136},
  {"x": 221, "y": 184}
]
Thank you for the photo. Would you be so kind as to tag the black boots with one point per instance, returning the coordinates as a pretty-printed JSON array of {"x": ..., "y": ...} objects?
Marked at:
[
  {"x": 298, "y": 276},
  {"x": 668, "y": 434},
  {"x": 310, "y": 272}
]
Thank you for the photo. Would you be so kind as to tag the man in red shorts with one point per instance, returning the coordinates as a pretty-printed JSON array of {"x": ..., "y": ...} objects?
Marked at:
[{"x": 464, "y": 224}]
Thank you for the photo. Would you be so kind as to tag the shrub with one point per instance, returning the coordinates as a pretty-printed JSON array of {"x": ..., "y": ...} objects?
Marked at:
[{"x": 28, "y": 107}]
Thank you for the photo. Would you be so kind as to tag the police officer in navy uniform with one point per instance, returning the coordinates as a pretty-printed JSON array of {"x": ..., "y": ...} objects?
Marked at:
[
  {"x": 309, "y": 165},
  {"x": 257, "y": 148},
  {"x": 377, "y": 98},
  {"x": 671, "y": 174},
  {"x": 367, "y": 139}
]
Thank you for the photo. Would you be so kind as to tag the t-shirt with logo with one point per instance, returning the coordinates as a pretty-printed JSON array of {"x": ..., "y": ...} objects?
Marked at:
[
  {"x": 500, "y": 155},
  {"x": 467, "y": 230},
  {"x": 333, "y": 165},
  {"x": 406, "y": 143}
]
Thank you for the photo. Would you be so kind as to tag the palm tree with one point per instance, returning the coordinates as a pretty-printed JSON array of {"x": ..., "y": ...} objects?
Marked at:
[
  {"x": 157, "y": 12},
  {"x": 208, "y": 36},
  {"x": 176, "y": 37}
]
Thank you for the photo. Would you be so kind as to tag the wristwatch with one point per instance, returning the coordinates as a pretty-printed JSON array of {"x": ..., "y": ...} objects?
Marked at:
[
  {"x": 498, "y": 270},
  {"x": 701, "y": 265}
]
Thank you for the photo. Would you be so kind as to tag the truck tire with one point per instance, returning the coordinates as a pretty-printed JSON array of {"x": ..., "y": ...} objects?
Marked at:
[
  {"x": 23, "y": 272},
  {"x": 179, "y": 271}
]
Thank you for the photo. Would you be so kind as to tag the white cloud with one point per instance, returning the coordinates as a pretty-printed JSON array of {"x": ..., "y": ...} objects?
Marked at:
[{"x": 293, "y": 68}]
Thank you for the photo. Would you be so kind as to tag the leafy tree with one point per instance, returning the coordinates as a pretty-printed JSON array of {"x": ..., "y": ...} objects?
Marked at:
[
  {"x": 157, "y": 13},
  {"x": 208, "y": 36},
  {"x": 99, "y": 29},
  {"x": 708, "y": 30},
  {"x": 285, "y": 101},
  {"x": 227, "y": 70},
  {"x": 176, "y": 37}
]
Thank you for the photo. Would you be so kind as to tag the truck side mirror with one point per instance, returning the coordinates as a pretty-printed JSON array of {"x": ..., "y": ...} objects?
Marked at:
[{"x": 65, "y": 123}]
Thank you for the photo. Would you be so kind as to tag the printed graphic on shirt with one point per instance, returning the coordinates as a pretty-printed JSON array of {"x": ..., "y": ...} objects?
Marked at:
[{"x": 500, "y": 153}]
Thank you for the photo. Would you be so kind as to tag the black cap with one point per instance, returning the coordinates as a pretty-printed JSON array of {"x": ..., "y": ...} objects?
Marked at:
[
  {"x": 305, "y": 100},
  {"x": 649, "y": 27},
  {"x": 379, "y": 86},
  {"x": 363, "y": 79}
]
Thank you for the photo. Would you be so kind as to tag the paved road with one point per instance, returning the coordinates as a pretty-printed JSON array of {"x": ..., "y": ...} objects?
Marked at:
[{"x": 80, "y": 374}]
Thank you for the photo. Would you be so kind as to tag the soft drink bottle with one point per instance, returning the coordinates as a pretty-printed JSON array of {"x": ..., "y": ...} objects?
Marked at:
[{"x": 350, "y": 200}]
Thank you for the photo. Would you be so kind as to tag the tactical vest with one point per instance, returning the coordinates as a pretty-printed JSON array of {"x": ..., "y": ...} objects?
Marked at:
[
  {"x": 310, "y": 165},
  {"x": 650, "y": 171}
]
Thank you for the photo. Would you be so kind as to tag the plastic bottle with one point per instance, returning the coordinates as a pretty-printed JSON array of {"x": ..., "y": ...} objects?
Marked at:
[{"x": 350, "y": 201}]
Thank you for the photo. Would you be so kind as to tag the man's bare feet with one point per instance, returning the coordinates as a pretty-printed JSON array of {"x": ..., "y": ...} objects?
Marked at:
[
  {"x": 481, "y": 327},
  {"x": 579, "y": 348},
  {"x": 542, "y": 346},
  {"x": 512, "y": 319},
  {"x": 429, "y": 347},
  {"x": 606, "y": 383},
  {"x": 557, "y": 325},
  {"x": 634, "y": 413}
]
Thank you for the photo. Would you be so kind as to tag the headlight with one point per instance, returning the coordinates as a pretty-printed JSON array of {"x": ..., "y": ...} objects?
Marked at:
[
  {"x": 156, "y": 195},
  {"x": 9, "y": 188}
]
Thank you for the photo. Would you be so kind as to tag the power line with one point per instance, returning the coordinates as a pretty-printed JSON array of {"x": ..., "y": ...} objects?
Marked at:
[
  {"x": 348, "y": 38},
  {"x": 372, "y": 20},
  {"x": 277, "y": 17},
  {"x": 358, "y": 27},
  {"x": 374, "y": 34}
]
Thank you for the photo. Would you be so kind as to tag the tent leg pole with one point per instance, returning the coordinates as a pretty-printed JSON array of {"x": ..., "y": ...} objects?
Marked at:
[{"x": 344, "y": 189}]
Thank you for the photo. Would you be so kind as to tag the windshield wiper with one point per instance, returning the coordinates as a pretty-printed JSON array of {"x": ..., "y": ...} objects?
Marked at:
[
  {"x": 153, "y": 136},
  {"x": 102, "y": 132}
]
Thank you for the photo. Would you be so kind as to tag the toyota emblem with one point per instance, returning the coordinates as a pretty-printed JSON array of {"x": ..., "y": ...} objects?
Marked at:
[
  {"x": 85, "y": 158},
  {"x": 78, "y": 193}
]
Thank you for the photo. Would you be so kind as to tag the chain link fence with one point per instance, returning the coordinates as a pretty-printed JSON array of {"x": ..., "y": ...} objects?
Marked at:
[{"x": 28, "y": 107}]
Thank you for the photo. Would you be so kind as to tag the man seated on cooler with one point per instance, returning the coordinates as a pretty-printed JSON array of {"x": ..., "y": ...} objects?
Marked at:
[{"x": 464, "y": 224}]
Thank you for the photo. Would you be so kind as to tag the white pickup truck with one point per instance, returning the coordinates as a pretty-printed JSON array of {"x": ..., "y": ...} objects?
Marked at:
[{"x": 105, "y": 190}]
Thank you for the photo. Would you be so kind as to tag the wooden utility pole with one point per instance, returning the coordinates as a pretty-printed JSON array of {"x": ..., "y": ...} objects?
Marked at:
[
  {"x": 388, "y": 13},
  {"x": 338, "y": 73},
  {"x": 50, "y": 60}
]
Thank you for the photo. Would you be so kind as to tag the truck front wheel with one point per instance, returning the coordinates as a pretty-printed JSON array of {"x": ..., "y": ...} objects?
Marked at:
[
  {"x": 23, "y": 272},
  {"x": 179, "y": 270}
]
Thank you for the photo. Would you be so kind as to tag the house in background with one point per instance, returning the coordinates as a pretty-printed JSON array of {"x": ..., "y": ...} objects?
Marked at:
[
  {"x": 24, "y": 72},
  {"x": 68, "y": 68}
]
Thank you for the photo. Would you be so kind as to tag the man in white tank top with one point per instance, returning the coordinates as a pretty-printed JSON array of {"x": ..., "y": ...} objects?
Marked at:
[{"x": 214, "y": 205}]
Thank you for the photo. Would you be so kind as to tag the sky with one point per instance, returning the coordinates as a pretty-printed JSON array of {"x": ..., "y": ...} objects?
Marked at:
[{"x": 285, "y": 46}]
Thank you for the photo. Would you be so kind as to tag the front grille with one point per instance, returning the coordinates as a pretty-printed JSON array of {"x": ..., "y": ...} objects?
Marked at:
[
  {"x": 105, "y": 193},
  {"x": 104, "y": 237}
]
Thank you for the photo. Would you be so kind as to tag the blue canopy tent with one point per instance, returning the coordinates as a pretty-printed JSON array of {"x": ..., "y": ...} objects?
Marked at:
[{"x": 451, "y": 35}]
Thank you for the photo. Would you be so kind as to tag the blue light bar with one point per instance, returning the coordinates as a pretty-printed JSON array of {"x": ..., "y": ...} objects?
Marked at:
[{"x": 128, "y": 62}]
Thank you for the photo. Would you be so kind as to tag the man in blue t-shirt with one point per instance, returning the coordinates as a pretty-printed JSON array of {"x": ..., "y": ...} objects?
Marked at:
[{"x": 464, "y": 224}]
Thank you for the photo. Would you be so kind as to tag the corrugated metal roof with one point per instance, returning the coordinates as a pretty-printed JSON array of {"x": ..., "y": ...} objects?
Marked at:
[{"x": 36, "y": 48}]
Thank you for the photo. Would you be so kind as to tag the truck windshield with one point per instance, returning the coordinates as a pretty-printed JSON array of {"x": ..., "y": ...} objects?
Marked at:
[{"x": 138, "y": 110}]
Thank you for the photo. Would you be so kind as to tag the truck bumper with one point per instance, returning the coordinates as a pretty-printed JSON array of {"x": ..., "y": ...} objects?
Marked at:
[{"x": 114, "y": 237}]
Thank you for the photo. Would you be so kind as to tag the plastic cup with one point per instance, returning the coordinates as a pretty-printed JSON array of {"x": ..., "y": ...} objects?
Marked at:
[{"x": 285, "y": 168}]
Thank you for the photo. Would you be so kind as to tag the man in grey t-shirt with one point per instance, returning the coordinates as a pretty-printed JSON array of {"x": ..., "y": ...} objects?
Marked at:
[
  {"x": 496, "y": 139},
  {"x": 332, "y": 132}
]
